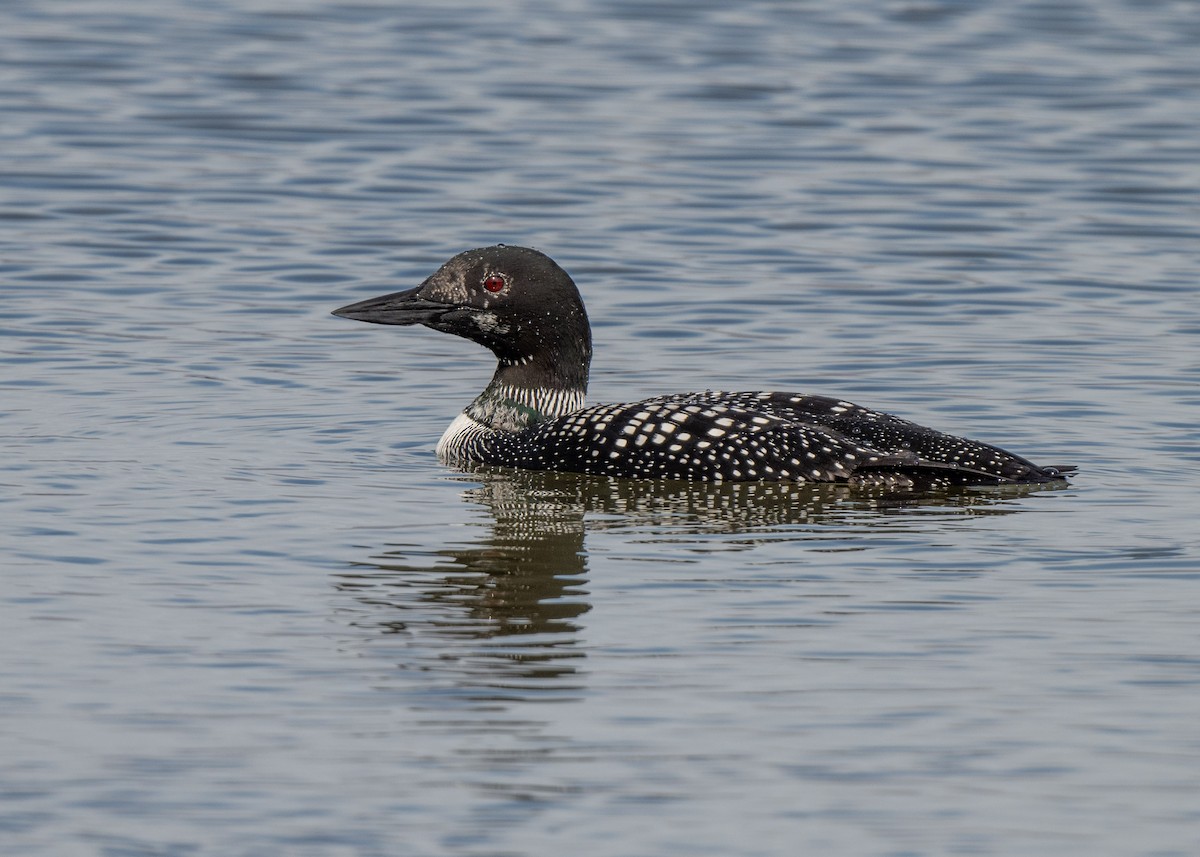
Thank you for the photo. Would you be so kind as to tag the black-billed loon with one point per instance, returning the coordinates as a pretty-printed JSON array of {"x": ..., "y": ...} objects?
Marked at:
[{"x": 519, "y": 303}]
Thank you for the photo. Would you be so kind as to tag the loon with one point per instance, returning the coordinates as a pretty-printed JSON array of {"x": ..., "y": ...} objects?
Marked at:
[{"x": 520, "y": 304}]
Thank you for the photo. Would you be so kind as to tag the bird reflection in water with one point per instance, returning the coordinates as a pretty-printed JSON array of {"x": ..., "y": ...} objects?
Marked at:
[{"x": 501, "y": 615}]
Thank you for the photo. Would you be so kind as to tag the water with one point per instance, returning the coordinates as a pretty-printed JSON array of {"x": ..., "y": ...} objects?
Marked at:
[{"x": 245, "y": 610}]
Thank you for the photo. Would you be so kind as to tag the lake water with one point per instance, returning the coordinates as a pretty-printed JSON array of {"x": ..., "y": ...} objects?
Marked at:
[{"x": 247, "y": 613}]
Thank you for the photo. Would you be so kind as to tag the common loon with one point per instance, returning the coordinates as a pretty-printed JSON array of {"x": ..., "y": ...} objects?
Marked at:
[{"x": 519, "y": 303}]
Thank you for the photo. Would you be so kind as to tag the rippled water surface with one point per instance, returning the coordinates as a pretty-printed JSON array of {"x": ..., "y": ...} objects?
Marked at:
[{"x": 245, "y": 610}]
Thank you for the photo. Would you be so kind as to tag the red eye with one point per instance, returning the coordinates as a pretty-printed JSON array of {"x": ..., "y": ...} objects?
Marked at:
[{"x": 494, "y": 283}]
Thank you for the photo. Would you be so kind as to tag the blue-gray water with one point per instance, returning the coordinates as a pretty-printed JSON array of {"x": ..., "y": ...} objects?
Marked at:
[{"x": 246, "y": 613}]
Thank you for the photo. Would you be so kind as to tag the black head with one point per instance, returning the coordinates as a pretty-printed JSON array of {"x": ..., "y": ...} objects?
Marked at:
[{"x": 516, "y": 301}]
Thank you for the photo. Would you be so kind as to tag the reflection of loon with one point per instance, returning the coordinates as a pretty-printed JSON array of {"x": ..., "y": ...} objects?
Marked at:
[
  {"x": 526, "y": 309},
  {"x": 501, "y": 615},
  {"x": 507, "y": 601}
]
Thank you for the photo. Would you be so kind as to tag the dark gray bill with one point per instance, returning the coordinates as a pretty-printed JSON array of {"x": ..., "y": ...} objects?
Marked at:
[{"x": 397, "y": 308}]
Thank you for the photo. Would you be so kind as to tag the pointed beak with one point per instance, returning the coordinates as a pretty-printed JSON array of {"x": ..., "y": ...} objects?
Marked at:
[{"x": 397, "y": 308}]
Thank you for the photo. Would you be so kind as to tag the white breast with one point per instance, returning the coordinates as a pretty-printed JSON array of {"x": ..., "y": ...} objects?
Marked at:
[{"x": 456, "y": 441}]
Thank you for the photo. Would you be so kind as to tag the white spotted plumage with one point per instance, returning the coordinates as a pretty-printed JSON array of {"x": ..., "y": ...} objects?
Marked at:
[{"x": 723, "y": 436}]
